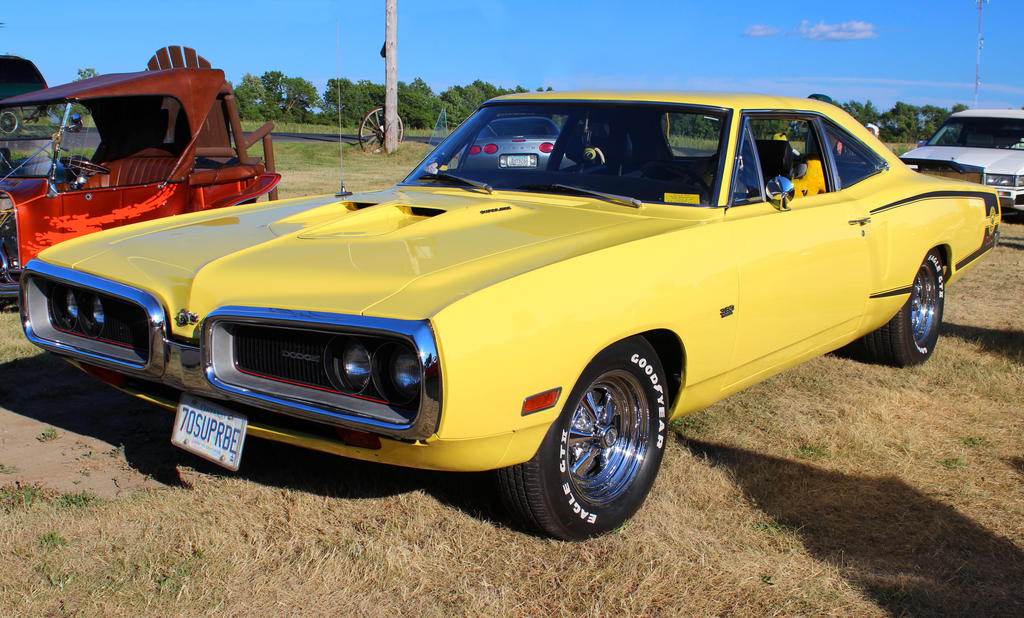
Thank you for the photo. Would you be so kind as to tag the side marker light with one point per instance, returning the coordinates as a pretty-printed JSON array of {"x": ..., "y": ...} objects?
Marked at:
[{"x": 541, "y": 401}]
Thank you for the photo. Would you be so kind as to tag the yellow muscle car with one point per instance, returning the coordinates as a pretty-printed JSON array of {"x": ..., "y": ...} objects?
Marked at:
[{"x": 544, "y": 313}]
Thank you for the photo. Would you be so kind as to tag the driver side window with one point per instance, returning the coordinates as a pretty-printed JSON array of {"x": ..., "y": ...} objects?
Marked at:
[{"x": 789, "y": 147}]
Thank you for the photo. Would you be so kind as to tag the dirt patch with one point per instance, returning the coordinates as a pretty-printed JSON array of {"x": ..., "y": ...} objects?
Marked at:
[
  {"x": 37, "y": 453},
  {"x": 55, "y": 430}
]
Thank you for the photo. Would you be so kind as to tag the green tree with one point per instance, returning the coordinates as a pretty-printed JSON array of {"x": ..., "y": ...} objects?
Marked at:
[
  {"x": 279, "y": 97},
  {"x": 248, "y": 96},
  {"x": 87, "y": 73},
  {"x": 931, "y": 118},
  {"x": 300, "y": 99},
  {"x": 863, "y": 112},
  {"x": 460, "y": 101},
  {"x": 356, "y": 100},
  {"x": 417, "y": 104},
  {"x": 900, "y": 124},
  {"x": 271, "y": 105}
]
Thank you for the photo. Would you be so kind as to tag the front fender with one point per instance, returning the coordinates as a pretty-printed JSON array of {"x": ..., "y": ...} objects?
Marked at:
[{"x": 538, "y": 331}]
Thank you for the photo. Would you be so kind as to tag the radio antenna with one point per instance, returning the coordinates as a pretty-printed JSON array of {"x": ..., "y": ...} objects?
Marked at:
[
  {"x": 981, "y": 41},
  {"x": 342, "y": 192}
]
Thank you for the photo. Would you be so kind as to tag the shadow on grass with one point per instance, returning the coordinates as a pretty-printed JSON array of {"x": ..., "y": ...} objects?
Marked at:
[
  {"x": 1012, "y": 242},
  {"x": 282, "y": 465},
  {"x": 1008, "y": 343},
  {"x": 1017, "y": 463},
  {"x": 51, "y": 391},
  {"x": 910, "y": 553}
]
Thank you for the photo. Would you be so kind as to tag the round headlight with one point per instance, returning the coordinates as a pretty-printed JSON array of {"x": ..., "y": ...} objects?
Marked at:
[
  {"x": 63, "y": 308},
  {"x": 405, "y": 373},
  {"x": 97, "y": 310},
  {"x": 92, "y": 315},
  {"x": 355, "y": 365},
  {"x": 71, "y": 305},
  {"x": 348, "y": 364},
  {"x": 397, "y": 373}
]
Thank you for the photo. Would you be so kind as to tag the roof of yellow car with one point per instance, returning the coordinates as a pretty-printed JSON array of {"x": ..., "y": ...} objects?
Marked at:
[{"x": 736, "y": 100}]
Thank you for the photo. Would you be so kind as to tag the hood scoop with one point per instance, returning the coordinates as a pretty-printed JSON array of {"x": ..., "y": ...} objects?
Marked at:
[
  {"x": 416, "y": 211},
  {"x": 367, "y": 222}
]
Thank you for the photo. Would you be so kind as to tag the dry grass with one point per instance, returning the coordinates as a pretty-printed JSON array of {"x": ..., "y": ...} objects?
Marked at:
[
  {"x": 313, "y": 169},
  {"x": 836, "y": 488},
  {"x": 320, "y": 129}
]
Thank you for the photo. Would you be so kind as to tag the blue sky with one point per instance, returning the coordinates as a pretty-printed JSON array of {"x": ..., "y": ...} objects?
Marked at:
[{"x": 920, "y": 52}]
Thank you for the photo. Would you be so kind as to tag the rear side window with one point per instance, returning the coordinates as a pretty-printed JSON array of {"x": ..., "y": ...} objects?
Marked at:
[{"x": 854, "y": 161}]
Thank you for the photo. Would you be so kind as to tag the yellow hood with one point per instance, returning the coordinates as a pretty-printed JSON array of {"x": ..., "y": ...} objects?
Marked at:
[{"x": 398, "y": 253}]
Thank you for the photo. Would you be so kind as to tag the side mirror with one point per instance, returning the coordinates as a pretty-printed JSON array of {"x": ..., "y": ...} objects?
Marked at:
[
  {"x": 780, "y": 192},
  {"x": 74, "y": 124},
  {"x": 922, "y": 142}
]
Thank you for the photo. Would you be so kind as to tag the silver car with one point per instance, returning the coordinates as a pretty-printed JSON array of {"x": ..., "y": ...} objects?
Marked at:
[{"x": 513, "y": 142}]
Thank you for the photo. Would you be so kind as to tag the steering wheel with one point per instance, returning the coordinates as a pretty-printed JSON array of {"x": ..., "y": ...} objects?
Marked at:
[{"x": 81, "y": 166}]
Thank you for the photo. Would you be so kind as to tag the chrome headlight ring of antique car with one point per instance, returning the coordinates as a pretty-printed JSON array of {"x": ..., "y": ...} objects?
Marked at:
[
  {"x": 379, "y": 374},
  {"x": 374, "y": 374}
]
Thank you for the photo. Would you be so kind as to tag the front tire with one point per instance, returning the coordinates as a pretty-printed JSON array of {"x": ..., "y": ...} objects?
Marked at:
[
  {"x": 599, "y": 458},
  {"x": 910, "y": 336}
]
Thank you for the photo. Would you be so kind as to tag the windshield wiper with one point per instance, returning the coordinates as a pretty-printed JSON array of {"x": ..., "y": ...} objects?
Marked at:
[
  {"x": 459, "y": 180},
  {"x": 611, "y": 197}
]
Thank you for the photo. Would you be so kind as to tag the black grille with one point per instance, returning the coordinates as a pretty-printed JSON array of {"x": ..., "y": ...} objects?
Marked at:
[
  {"x": 122, "y": 323},
  {"x": 314, "y": 359},
  {"x": 282, "y": 354}
]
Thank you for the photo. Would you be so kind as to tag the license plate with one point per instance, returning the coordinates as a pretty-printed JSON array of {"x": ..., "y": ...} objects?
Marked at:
[
  {"x": 209, "y": 430},
  {"x": 521, "y": 160}
]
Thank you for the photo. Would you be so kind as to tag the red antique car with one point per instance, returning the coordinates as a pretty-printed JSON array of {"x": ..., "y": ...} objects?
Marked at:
[{"x": 118, "y": 149}]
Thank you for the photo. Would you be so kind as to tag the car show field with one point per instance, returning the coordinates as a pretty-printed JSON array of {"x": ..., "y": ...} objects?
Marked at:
[
  {"x": 836, "y": 487},
  {"x": 506, "y": 309}
]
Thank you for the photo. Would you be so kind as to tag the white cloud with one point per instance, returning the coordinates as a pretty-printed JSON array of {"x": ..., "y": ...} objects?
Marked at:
[
  {"x": 759, "y": 30},
  {"x": 846, "y": 31}
]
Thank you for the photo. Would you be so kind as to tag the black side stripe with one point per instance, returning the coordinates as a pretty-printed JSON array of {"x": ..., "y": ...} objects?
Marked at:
[
  {"x": 987, "y": 244},
  {"x": 991, "y": 201},
  {"x": 896, "y": 292}
]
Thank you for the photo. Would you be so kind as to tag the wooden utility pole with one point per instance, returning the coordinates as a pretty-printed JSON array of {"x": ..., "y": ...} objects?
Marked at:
[{"x": 391, "y": 77}]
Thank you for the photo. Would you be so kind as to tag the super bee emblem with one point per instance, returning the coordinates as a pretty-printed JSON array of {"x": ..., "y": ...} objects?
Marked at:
[{"x": 184, "y": 318}]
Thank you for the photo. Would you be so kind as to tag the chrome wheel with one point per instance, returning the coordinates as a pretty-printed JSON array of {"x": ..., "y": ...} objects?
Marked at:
[
  {"x": 608, "y": 437},
  {"x": 599, "y": 457},
  {"x": 924, "y": 304},
  {"x": 910, "y": 336}
]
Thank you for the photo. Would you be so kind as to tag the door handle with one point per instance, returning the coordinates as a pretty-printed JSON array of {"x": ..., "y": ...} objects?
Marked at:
[{"x": 861, "y": 222}]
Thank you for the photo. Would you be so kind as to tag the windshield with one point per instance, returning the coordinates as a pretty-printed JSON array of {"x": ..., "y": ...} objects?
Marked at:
[
  {"x": 648, "y": 152},
  {"x": 27, "y": 139},
  {"x": 981, "y": 133}
]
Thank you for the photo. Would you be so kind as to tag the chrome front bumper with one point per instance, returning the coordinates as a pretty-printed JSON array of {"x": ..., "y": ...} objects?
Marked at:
[{"x": 200, "y": 369}]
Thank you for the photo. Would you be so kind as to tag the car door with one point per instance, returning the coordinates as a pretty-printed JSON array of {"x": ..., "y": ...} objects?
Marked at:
[{"x": 804, "y": 268}]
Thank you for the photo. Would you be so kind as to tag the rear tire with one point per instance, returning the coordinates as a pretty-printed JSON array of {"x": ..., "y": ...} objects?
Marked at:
[
  {"x": 599, "y": 458},
  {"x": 910, "y": 336}
]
